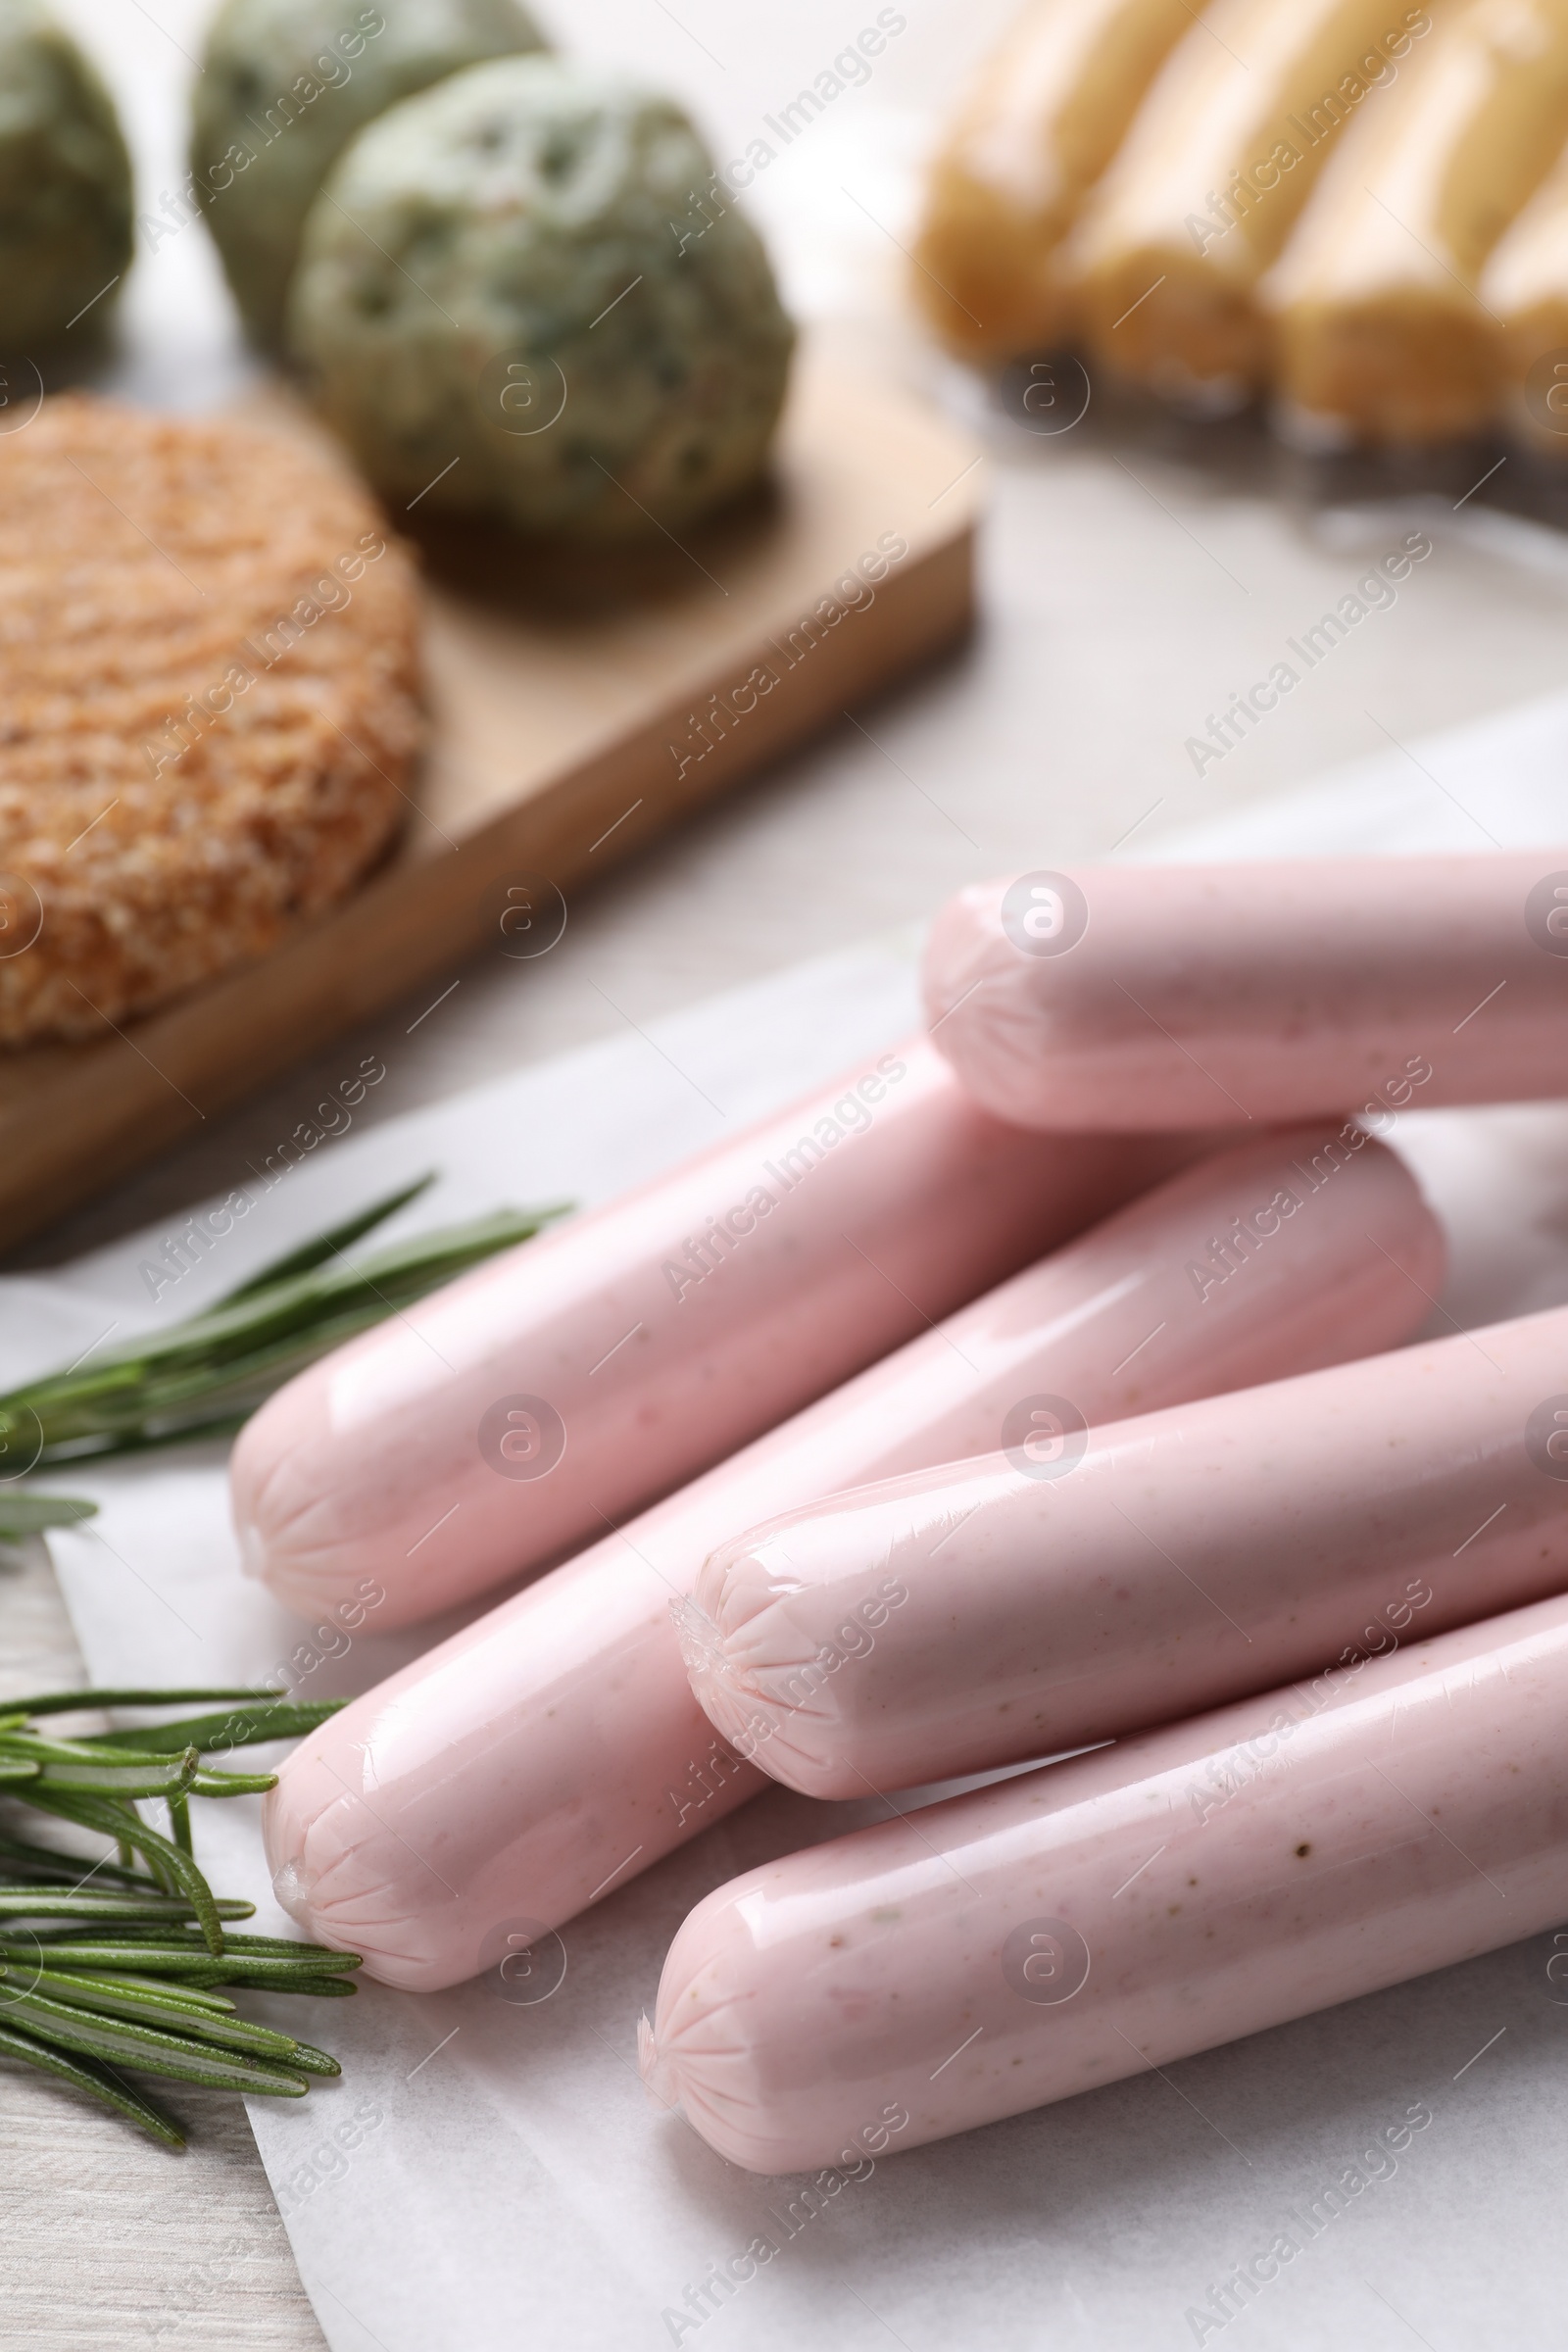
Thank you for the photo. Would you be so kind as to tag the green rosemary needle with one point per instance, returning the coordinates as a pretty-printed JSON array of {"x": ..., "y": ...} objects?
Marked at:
[
  {"x": 116, "y": 1965},
  {"x": 22, "y": 1515},
  {"x": 208, "y": 1374}
]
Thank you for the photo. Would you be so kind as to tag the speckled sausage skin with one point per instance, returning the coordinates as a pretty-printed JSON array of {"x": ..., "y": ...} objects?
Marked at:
[
  {"x": 661, "y": 1330},
  {"x": 992, "y": 1611},
  {"x": 1070, "y": 1926},
  {"x": 1143, "y": 997},
  {"x": 537, "y": 1759}
]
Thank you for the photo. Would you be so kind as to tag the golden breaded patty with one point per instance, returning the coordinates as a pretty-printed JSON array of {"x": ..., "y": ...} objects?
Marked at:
[{"x": 208, "y": 676}]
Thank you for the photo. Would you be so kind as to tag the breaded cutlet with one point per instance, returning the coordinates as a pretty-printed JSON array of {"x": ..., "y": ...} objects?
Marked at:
[{"x": 208, "y": 702}]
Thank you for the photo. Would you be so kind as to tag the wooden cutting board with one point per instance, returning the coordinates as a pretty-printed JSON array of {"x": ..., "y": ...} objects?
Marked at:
[{"x": 575, "y": 712}]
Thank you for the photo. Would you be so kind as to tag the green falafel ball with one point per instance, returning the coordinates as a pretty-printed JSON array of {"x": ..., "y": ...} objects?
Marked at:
[
  {"x": 524, "y": 294},
  {"x": 66, "y": 227},
  {"x": 285, "y": 84}
]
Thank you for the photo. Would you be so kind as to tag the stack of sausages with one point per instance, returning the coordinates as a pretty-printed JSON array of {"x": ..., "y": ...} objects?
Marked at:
[
  {"x": 1054, "y": 1382},
  {"x": 1357, "y": 205}
]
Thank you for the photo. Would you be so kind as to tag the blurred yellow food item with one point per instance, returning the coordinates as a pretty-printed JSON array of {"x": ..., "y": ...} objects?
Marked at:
[
  {"x": 1038, "y": 129},
  {"x": 1379, "y": 331},
  {"x": 1525, "y": 284},
  {"x": 1206, "y": 187}
]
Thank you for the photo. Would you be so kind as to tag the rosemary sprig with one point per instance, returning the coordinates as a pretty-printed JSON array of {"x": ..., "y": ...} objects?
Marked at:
[
  {"x": 209, "y": 1373},
  {"x": 107, "y": 1966},
  {"x": 24, "y": 1515}
]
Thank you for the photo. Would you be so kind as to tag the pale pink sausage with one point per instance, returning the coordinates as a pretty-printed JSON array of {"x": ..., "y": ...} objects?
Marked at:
[
  {"x": 552, "y": 1751},
  {"x": 996, "y": 1610},
  {"x": 509, "y": 1417},
  {"x": 1145, "y": 996},
  {"x": 1070, "y": 1926}
]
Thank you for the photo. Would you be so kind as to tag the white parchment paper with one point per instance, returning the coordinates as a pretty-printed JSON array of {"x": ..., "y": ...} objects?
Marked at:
[{"x": 490, "y": 2175}]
